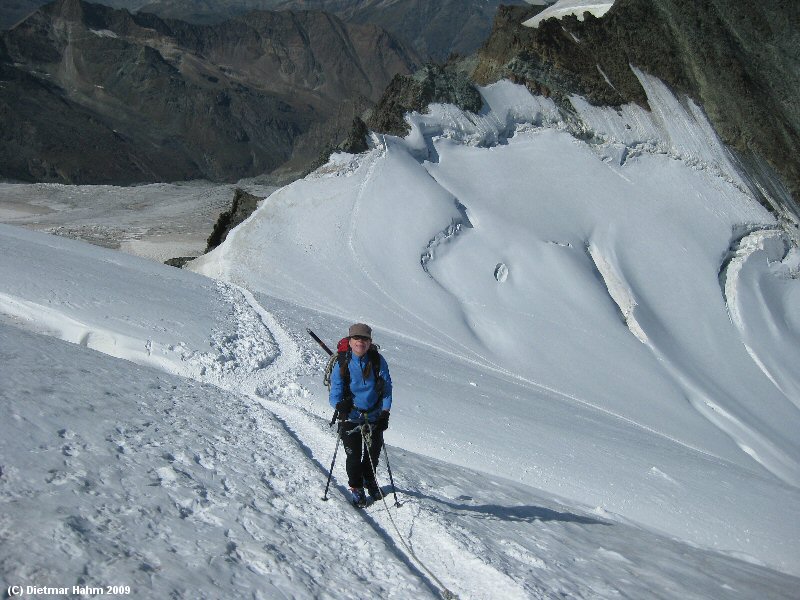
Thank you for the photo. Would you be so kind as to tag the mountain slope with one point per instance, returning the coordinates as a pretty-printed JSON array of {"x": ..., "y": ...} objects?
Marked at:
[
  {"x": 147, "y": 100},
  {"x": 583, "y": 271},
  {"x": 207, "y": 484},
  {"x": 736, "y": 60},
  {"x": 433, "y": 29}
]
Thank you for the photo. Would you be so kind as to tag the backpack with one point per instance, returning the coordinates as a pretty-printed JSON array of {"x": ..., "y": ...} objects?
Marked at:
[{"x": 342, "y": 357}]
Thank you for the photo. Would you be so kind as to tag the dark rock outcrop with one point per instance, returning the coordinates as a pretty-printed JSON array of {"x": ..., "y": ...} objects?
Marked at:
[
  {"x": 432, "y": 83},
  {"x": 90, "y": 94},
  {"x": 179, "y": 261},
  {"x": 740, "y": 61},
  {"x": 242, "y": 206}
]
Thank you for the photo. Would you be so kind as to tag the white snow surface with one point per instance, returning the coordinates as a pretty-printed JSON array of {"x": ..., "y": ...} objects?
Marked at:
[
  {"x": 562, "y": 8},
  {"x": 591, "y": 346}
]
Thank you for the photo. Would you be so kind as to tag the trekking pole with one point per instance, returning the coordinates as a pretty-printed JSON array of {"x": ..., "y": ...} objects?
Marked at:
[
  {"x": 333, "y": 462},
  {"x": 391, "y": 479}
]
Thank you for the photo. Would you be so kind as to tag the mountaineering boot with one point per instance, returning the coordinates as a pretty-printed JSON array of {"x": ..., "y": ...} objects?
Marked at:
[
  {"x": 374, "y": 491},
  {"x": 359, "y": 498}
]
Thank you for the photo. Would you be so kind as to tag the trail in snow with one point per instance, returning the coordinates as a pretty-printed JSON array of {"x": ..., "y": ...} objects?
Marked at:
[
  {"x": 272, "y": 384},
  {"x": 224, "y": 480},
  {"x": 119, "y": 474},
  {"x": 439, "y": 522}
]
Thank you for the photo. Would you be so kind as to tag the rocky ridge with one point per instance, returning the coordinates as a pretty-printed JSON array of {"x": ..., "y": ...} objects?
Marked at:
[
  {"x": 242, "y": 206},
  {"x": 447, "y": 84},
  {"x": 739, "y": 61}
]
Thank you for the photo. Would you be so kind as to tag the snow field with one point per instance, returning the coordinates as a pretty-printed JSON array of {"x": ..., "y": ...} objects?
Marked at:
[
  {"x": 180, "y": 487},
  {"x": 591, "y": 346},
  {"x": 157, "y": 221},
  {"x": 608, "y": 316},
  {"x": 168, "y": 485}
]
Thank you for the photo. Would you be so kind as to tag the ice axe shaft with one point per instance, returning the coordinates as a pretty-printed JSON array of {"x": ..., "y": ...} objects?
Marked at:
[
  {"x": 319, "y": 341},
  {"x": 328, "y": 350}
]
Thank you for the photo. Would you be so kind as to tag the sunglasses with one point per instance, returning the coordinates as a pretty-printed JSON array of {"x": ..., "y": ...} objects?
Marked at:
[{"x": 359, "y": 338}]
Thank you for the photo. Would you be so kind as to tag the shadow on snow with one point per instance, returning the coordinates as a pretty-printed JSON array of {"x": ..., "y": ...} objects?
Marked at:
[{"x": 526, "y": 514}]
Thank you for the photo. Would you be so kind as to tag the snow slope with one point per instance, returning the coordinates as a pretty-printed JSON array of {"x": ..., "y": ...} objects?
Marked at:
[
  {"x": 207, "y": 485},
  {"x": 591, "y": 343},
  {"x": 571, "y": 283}
]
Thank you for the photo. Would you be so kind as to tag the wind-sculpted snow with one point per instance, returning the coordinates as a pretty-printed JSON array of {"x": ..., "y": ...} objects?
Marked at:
[
  {"x": 761, "y": 293},
  {"x": 633, "y": 335},
  {"x": 675, "y": 127}
]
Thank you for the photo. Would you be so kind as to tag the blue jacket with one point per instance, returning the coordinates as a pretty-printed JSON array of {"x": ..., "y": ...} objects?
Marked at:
[{"x": 364, "y": 393}]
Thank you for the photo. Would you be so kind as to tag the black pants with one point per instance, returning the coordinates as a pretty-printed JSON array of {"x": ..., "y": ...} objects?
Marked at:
[{"x": 359, "y": 469}]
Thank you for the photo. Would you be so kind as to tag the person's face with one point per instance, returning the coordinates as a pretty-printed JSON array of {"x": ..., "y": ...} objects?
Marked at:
[{"x": 359, "y": 345}]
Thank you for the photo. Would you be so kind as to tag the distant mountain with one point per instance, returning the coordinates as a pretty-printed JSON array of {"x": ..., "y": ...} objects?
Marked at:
[
  {"x": 434, "y": 28},
  {"x": 14, "y": 11},
  {"x": 91, "y": 94},
  {"x": 739, "y": 60}
]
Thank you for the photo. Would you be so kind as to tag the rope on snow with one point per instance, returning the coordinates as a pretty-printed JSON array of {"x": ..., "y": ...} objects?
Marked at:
[{"x": 366, "y": 434}]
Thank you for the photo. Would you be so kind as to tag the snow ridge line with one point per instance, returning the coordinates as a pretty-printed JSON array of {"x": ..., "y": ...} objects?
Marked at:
[
  {"x": 741, "y": 250},
  {"x": 55, "y": 323},
  {"x": 400, "y": 311}
]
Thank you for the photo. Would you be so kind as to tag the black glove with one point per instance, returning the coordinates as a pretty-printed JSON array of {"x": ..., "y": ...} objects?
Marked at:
[
  {"x": 382, "y": 423},
  {"x": 343, "y": 408}
]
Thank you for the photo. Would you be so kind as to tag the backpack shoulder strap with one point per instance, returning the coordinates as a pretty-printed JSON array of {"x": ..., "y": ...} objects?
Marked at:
[
  {"x": 375, "y": 359},
  {"x": 344, "y": 371}
]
